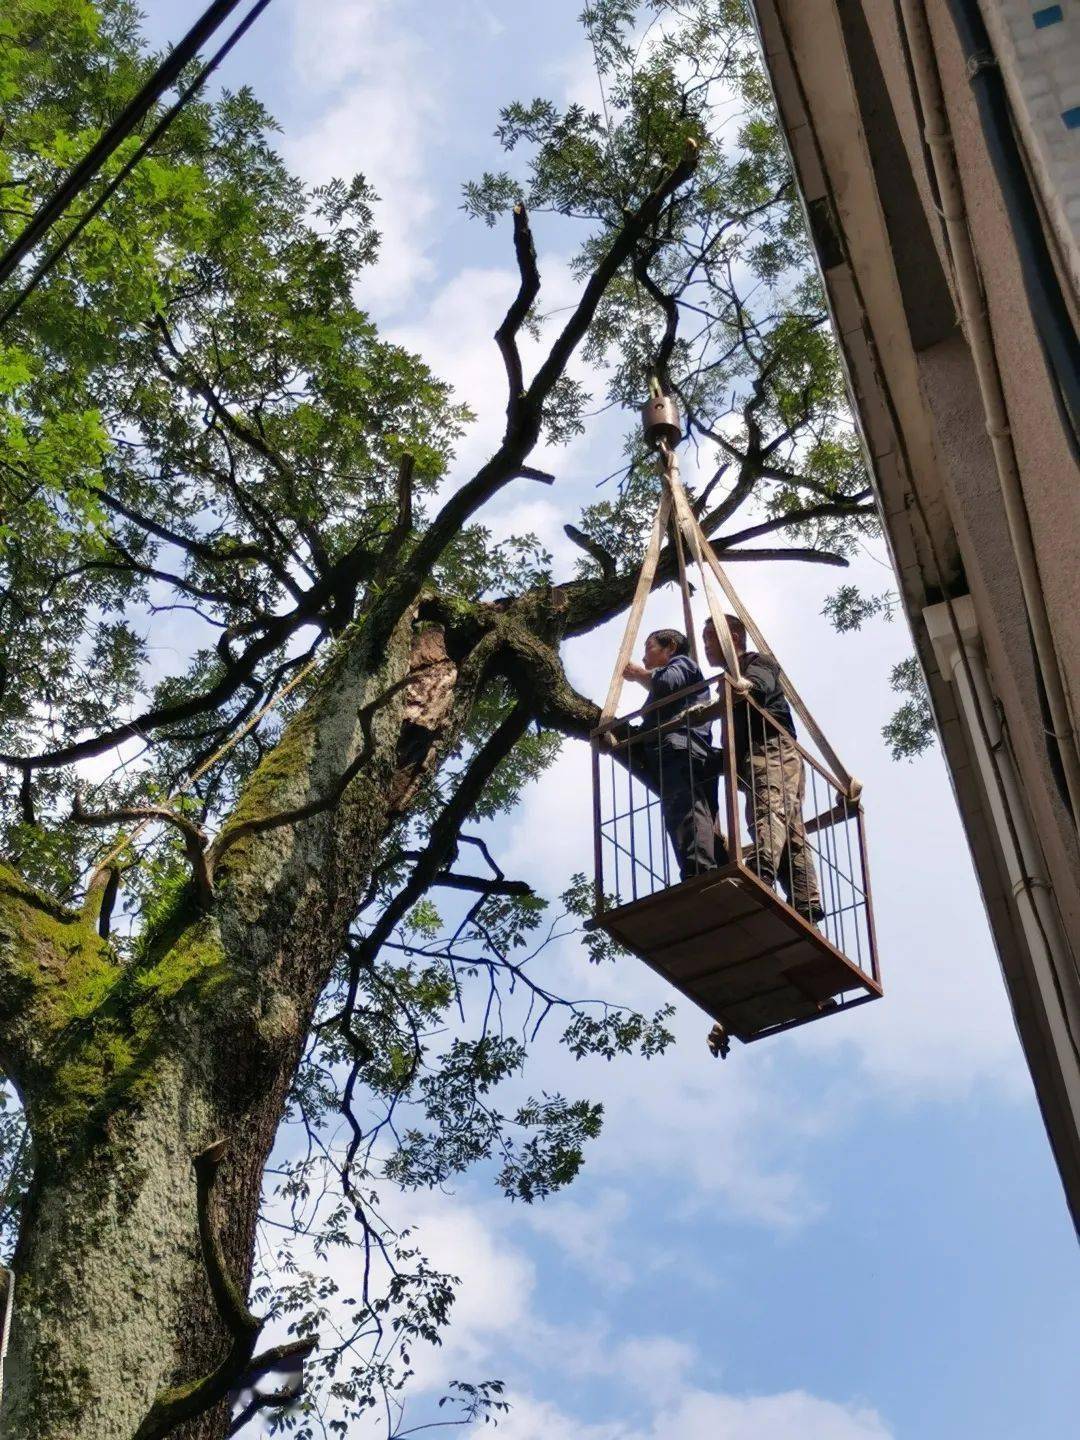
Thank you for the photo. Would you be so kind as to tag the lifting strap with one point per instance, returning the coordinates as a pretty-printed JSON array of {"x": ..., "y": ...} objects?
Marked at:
[{"x": 675, "y": 508}]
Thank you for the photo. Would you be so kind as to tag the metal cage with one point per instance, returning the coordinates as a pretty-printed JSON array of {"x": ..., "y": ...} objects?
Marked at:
[{"x": 757, "y": 960}]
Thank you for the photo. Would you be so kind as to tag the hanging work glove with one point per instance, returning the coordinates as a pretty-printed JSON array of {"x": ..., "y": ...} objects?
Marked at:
[{"x": 718, "y": 1041}]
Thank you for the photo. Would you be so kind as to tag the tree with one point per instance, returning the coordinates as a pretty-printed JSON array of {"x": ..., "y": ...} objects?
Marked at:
[{"x": 214, "y": 906}]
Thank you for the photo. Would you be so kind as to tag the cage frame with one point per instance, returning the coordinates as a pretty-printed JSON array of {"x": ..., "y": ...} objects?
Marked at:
[{"x": 614, "y": 919}]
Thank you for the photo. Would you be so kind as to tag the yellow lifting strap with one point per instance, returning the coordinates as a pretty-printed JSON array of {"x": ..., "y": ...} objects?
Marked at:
[{"x": 675, "y": 509}]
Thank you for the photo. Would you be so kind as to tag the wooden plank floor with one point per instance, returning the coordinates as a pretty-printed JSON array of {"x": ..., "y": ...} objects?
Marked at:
[{"x": 730, "y": 944}]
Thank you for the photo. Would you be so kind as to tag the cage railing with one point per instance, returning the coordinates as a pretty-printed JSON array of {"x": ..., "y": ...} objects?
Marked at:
[{"x": 774, "y": 810}]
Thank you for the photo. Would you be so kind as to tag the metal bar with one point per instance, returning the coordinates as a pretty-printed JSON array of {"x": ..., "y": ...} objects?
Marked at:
[
  {"x": 829, "y": 839},
  {"x": 633, "y": 858},
  {"x": 788, "y": 825},
  {"x": 851, "y": 863},
  {"x": 731, "y": 784},
  {"x": 598, "y": 827},
  {"x": 649, "y": 803},
  {"x": 871, "y": 933},
  {"x": 835, "y": 816},
  {"x": 621, "y": 849},
  {"x": 614, "y": 808},
  {"x": 807, "y": 1019}
]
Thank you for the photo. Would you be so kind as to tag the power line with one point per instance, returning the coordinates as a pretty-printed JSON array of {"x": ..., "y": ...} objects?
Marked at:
[
  {"x": 151, "y": 140},
  {"x": 133, "y": 112}
]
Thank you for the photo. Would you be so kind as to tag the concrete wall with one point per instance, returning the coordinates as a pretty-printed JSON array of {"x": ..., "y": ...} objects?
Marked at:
[
  {"x": 1037, "y": 44},
  {"x": 847, "y": 100}
]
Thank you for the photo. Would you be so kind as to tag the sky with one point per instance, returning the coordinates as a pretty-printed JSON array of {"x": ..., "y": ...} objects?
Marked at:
[{"x": 851, "y": 1232}]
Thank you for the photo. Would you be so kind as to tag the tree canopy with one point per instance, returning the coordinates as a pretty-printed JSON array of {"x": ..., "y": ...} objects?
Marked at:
[{"x": 214, "y": 471}]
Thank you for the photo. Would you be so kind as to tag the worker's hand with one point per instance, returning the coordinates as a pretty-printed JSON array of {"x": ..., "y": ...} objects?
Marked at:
[{"x": 634, "y": 671}]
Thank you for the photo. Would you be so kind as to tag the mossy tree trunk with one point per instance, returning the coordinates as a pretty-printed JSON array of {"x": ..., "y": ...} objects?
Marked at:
[{"x": 129, "y": 1072}]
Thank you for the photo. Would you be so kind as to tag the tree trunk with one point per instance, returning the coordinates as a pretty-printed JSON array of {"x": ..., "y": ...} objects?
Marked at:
[
  {"x": 107, "y": 1264},
  {"x": 200, "y": 1040}
]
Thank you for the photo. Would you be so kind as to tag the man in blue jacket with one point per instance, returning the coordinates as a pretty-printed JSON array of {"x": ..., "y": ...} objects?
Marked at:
[{"x": 679, "y": 764}]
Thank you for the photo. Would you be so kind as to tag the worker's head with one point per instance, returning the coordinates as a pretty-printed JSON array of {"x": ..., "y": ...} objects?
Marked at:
[
  {"x": 713, "y": 652},
  {"x": 662, "y": 646}
]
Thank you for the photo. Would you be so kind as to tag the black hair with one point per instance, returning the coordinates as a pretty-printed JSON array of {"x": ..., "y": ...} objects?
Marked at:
[
  {"x": 672, "y": 638},
  {"x": 735, "y": 625}
]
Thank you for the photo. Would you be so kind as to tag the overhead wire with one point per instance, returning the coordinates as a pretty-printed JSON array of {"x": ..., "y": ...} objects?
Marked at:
[
  {"x": 55, "y": 205},
  {"x": 163, "y": 124}
]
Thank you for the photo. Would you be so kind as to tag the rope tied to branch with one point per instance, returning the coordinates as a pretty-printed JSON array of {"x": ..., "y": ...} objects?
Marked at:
[{"x": 661, "y": 422}]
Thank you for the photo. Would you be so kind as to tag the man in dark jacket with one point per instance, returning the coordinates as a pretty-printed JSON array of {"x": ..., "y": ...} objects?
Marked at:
[
  {"x": 677, "y": 763},
  {"x": 771, "y": 771}
]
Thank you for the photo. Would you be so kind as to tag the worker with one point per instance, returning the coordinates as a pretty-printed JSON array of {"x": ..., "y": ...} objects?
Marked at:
[
  {"x": 679, "y": 764},
  {"x": 771, "y": 771}
]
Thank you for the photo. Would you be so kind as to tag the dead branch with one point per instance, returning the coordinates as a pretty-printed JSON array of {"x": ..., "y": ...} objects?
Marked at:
[
  {"x": 195, "y": 841},
  {"x": 599, "y": 553},
  {"x": 507, "y": 333},
  {"x": 479, "y": 884}
]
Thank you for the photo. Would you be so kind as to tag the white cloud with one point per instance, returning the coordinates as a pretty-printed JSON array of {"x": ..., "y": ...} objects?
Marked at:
[
  {"x": 586, "y": 1234},
  {"x": 705, "y": 1415},
  {"x": 454, "y": 334},
  {"x": 386, "y": 92},
  {"x": 494, "y": 1297}
]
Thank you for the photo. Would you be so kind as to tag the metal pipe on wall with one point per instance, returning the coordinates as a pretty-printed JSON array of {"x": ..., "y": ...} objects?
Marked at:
[
  {"x": 976, "y": 325},
  {"x": 954, "y": 634}
]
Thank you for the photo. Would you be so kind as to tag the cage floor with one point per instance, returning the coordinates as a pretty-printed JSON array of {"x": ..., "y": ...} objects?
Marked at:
[{"x": 729, "y": 943}]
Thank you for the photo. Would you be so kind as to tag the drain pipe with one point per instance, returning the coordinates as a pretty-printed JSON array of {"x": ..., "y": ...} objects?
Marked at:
[
  {"x": 976, "y": 326},
  {"x": 953, "y": 632},
  {"x": 7, "y": 1304}
]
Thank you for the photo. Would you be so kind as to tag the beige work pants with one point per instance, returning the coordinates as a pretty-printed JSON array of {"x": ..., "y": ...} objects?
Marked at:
[{"x": 776, "y": 784}]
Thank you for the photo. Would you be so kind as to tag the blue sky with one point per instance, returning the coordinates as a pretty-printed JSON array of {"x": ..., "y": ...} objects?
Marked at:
[{"x": 854, "y": 1232}]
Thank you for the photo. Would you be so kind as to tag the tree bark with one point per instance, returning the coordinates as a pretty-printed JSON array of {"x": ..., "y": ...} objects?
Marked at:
[{"x": 199, "y": 1040}]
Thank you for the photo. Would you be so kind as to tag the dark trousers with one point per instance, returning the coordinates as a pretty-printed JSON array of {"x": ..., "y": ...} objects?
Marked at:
[{"x": 679, "y": 775}]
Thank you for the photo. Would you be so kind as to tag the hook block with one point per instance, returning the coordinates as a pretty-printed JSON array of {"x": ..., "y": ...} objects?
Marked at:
[{"x": 660, "y": 420}]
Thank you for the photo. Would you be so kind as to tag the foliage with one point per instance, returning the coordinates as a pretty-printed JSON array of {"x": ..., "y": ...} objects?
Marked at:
[
  {"x": 202, "y": 444},
  {"x": 722, "y": 299},
  {"x": 910, "y": 731},
  {"x": 849, "y": 609}
]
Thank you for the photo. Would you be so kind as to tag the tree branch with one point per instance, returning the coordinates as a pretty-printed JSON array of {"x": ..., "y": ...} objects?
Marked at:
[
  {"x": 507, "y": 333},
  {"x": 523, "y": 433},
  {"x": 806, "y": 554},
  {"x": 346, "y": 573},
  {"x": 599, "y": 553},
  {"x": 828, "y": 509},
  {"x": 479, "y": 884},
  {"x": 444, "y": 831},
  {"x": 195, "y": 841}
]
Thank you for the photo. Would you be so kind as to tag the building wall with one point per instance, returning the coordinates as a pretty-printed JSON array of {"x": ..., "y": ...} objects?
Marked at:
[
  {"x": 1037, "y": 43},
  {"x": 1048, "y": 470},
  {"x": 849, "y": 106}
]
